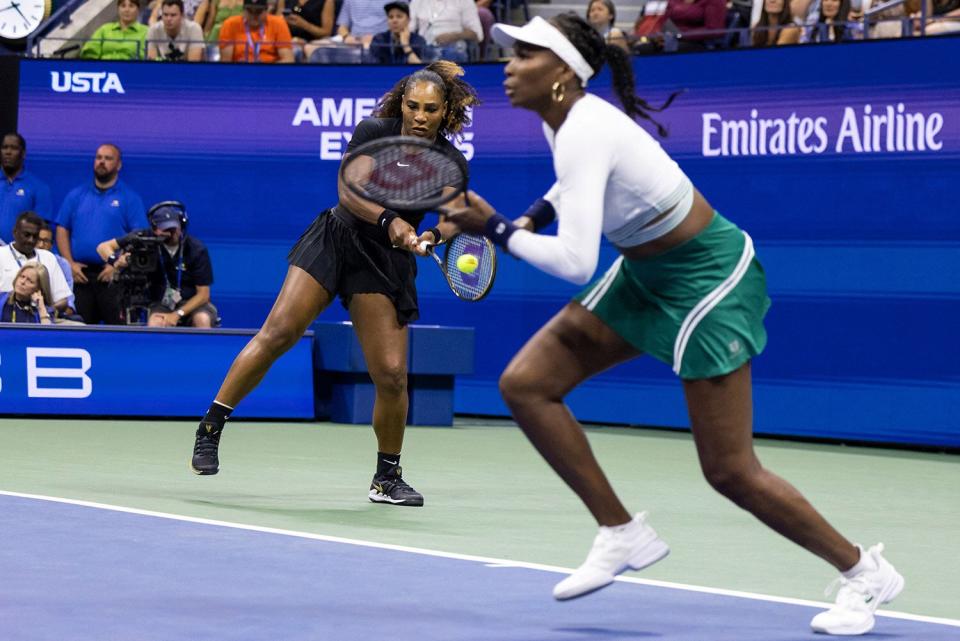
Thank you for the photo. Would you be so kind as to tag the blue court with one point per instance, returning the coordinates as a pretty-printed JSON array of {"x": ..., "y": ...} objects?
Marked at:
[{"x": 78, "y": 573}]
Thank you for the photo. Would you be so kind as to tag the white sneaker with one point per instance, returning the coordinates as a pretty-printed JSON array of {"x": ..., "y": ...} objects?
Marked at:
[
  {"x": 860, "y": 596},
  {"x": 615, "y": 550}
]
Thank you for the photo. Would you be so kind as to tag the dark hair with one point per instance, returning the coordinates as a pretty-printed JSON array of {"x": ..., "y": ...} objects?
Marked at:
[
  {"x": 46, "y": 225},
  {"x": 23, "y": 143},
  {"x": 136, "y": 2},
  {"x": 457, "y": 94},
  {"x": 31, "y": 217},
  {"x": 610, "y": 7},
  {"x": 596, "y": 51},
  {"x": 172, "y": 3},
  {"x": 839, "y": 25},
  {"x": 761, "y": 35}
]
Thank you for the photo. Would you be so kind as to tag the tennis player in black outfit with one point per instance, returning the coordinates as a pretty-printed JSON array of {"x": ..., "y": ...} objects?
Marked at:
[{"x": 365, "y": 255}]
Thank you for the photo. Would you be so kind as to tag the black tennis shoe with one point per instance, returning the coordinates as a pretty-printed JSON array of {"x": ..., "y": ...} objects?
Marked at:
[
  {"x": 390, "y": 488},
  {"x": 205, "y": 460}
]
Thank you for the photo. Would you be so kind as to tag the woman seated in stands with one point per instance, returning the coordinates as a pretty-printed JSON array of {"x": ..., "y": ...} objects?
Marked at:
[
  {"x": 700, "y": 22},
  {"x": 776, "y": 26},
  {"x": 602, "y": 16},
  {"x": 124, "y": 39},
  {"x": 833, "y": 22},
  {"x": 212, "y": 13},
  {"x": 30, "y": 300},
  {"x": 310, "y": 19}
]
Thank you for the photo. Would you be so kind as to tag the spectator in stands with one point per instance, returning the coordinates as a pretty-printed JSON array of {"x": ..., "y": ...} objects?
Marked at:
[
  {"x": 256, "y": 36},
  {"x": 23, "y": 250},
  {"x": 45, "y": 242},
  {"x": 831, "y": 25},
  {"x": 120, "y": 40},
  {"x": 602, "y": 16},
  {"x": 943, "y": 16},
  {"x": 487, "y": 20},
  {"x": 175, "y": 37},
  {"x": 447, "y": 26},
  {"x": 108, "y": 208},
  {"x": 180, "y": 287},
  {"x": 648, "y": 29},
  {"x": 310, "y": 19},
  {"x": 211, "y": 14},
  {"x": 700, "y": 22},
  {"x": 360, "y": 20},
  {"x": 29, "y": 299},
  {"x": 776, "y": 26},
  {"x": 189, "y": 11},
  {"x": 396, "y": 45},
  {"x": 21, "y": 190}
]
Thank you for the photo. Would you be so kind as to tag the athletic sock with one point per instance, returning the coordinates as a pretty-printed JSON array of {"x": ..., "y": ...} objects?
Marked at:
[
  {"x": 217, "y": 414},
  {"x": 386, "y": 463},
  {"x": 865, "y": 563}
]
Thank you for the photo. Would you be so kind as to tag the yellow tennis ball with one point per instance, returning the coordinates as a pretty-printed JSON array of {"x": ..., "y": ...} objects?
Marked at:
[{"x": 468, "y": 263}]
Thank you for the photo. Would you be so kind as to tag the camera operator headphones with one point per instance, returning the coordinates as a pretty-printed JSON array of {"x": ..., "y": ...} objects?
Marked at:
[{"x": 176, "y": 205}]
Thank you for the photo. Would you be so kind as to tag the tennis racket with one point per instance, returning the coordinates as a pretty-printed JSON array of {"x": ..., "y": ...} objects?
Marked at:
[
  {"x": 477, "y": 284},
  {"x": 404, "y": 173}
]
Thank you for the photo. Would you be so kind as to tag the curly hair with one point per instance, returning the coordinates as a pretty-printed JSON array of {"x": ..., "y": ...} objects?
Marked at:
[
  {"x": 596, "y": 52},
  {"x": 458, "y": 95}
]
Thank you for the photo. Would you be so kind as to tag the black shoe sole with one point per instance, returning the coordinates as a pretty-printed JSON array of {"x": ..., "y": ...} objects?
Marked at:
[{"x": 203, "y": 472}]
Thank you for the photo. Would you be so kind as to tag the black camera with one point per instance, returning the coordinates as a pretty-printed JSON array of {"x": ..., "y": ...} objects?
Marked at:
[{"x": 144, "y": 254}]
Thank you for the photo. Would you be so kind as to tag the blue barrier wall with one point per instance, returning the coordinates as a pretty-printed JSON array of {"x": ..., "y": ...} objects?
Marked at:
[
  {"x": 853, "y": 218},
  {"x": 140, "y": 372}
]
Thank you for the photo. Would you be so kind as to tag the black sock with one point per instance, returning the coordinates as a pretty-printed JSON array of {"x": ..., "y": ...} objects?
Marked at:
[
  {"x": 386, "y": 463},
  {"x": 217, "y": 415}
]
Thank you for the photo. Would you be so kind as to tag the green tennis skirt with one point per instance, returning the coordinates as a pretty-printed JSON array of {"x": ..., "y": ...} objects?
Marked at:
[{"x": 698, "y": 307}]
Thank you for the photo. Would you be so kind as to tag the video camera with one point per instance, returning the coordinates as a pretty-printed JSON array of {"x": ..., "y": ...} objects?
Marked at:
[
  {"x": 144, "y": 253},
  {"x": 135, "y": 279}
]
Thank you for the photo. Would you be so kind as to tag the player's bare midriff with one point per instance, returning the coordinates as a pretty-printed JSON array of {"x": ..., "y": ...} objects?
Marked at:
[{"x": 701, "y": 213}]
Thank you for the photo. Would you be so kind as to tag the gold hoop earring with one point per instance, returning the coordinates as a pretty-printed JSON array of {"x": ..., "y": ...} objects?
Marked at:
[{"x": 557, "y": 91}]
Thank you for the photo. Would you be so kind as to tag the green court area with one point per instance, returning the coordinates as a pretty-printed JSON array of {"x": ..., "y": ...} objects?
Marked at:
[{"x": 489, "y": 494}]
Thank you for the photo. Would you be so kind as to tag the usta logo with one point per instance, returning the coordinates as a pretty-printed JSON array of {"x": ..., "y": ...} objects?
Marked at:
[{"x": 85, "y": 82}]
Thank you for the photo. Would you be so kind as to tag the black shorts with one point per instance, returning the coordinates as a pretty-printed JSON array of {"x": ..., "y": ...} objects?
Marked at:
[{"x": 348, "y": 256}]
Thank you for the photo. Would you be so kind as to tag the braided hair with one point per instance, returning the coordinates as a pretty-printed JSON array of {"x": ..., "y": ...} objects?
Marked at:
[
  {"x": 457, "y": 94},
  {"x": 596, "y": 51}
]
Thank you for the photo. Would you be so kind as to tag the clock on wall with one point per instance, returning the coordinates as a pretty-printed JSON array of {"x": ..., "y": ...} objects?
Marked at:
[{"x": 20, "y": 18}]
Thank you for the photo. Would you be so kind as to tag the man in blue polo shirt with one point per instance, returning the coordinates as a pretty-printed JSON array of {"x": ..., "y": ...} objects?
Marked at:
[
  {"x": 90, "y": 214},
  {"x": 20, "y": 190}
]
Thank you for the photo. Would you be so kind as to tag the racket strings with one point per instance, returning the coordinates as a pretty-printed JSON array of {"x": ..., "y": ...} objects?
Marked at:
[
  {"x": 406, "y": 176},
  {"x": 475, "y": 285}
]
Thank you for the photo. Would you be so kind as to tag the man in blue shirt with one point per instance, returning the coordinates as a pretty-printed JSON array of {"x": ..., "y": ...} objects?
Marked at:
[
  {"x": 90, "y": 214},
  {"x": 20, "y": 190}
]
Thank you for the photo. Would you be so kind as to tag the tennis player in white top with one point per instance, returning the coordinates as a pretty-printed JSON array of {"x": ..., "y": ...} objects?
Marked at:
[{"x": 687, "y": 290}]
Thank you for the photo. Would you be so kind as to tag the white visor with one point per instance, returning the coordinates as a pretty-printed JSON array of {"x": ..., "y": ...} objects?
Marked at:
[{"x": 540, "y": 33}]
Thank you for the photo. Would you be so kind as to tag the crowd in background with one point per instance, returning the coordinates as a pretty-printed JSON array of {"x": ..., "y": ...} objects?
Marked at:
[
  {"x": 101, "y": 257},
  {"x": 395, "y": 32}
]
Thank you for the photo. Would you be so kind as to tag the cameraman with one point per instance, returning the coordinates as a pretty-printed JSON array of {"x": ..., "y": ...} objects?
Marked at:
[{"x": 180, "y": 284}]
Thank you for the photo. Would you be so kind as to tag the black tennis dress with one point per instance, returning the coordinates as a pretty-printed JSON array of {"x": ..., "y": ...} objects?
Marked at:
[{"x": 349, "y": 256}]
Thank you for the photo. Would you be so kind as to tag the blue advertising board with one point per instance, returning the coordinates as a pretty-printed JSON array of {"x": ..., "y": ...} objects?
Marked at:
[
  {"x": 138, "y": 372},
  {"x": 840, "y": 161}
]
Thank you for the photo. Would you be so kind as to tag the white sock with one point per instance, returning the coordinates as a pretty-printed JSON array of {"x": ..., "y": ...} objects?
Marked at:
[{"x": 865, "y": 563}]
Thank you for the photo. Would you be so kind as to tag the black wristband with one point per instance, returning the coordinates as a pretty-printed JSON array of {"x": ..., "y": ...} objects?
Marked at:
[
  {"x": 385, "y": 219},
  {"x": 437, "y": 238},
  {"x": 541, "y": 213},
  {"x": 112, "y": 258},
  {"x": 499, "y": 229}
]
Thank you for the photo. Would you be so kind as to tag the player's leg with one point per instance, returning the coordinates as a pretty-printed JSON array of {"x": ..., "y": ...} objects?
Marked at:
[
  {"x": 299, "y": 302},
  {"x": 572, "y": 347},
  {"x": 721, "y": 417},
  {"x": 384, "y": 342}
]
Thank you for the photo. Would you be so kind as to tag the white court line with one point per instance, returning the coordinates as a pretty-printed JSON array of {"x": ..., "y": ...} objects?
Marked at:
[{"x": 489, "y": 561}]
